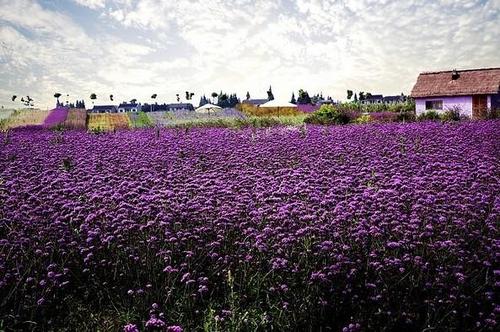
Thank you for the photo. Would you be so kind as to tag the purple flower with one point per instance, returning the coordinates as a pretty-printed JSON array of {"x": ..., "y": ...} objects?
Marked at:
[
  {"x": 130, "y": 328},
  {"x": 155, "y": 323}
]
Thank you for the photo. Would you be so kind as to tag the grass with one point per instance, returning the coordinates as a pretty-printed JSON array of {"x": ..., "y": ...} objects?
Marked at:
[
  {"x": 76, "y": 119},
  {"x": 108, "y": 122},
  {"x": 252, "y": 110},
  {"x": 23, "y": 118},
  {"x": 254, "y": 121},
  {"x": 140, "y": 120}
]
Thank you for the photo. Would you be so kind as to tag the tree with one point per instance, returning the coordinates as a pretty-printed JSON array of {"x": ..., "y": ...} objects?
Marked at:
[
  {"x": 303, "y": 97},
  {"x": 223, "y": 100},
  {"x": 248, "y": 95},
  {"x": 27, "y": 101},
  {"x": 349, "y": 94},
  {"x": 14, "y": 98},
  {"x": 293, "y": 100},
  {"x": 203, "y": 101},
  {"x": 133, "y": 101},
  {"x": 111, "y": 97},
  {"x": 355, "y": 97},
  {"x": 270, "y": 95},
  {"x": 153, "y": 96},
  {"x": 93, "y": 97},
  {"x": 214, "y": 95},
  {"x": 57, "y": 95},
  {"x": 178, "y": 98},
  {"x": 361, "y": 96},
  {"x": 368, "y": 95}
]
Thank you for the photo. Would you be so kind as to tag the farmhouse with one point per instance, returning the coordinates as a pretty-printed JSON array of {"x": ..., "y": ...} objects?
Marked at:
[
  {"x": 104, "y": 109},
  {"x": 180, "y": 107},
  {"x": 471, "y": 91},
  {"x": 373, "y": 99},
  {"x": 129, "y": 107},
  {"x": 394, "y": 99}
]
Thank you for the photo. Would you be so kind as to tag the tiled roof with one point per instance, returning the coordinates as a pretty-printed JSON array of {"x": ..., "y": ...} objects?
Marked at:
[{"x": 468, "y": 82}]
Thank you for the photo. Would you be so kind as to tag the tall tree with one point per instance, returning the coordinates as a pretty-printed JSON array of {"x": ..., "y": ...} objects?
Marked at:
[
  {"x": 178, "y": 97},
  {"x": 57, "y": 95},
  {"x": 361, "y": 96},
  {"x": 356, "y": 97},
  {"x": 303, "y": 97},
  {"x": 349, "y": 94},
  {"x": 153, "y": 96},
  {"x": 248, "y": 95},
  {"x": 111, "y": 97},
  {"x": 14, "y": 98},
  {"x": 270, "y": 95},
  {"x": 223, "y": 100},
  {"x": 293, "y": 100},
  {"x": 93, "y": 97}
]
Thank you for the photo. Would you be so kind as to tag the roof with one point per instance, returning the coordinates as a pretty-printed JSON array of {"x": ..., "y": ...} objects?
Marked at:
[
  {"x": 393, "y": 98},
  {"x": 374, "y": 97},
  {"x": 277, "y": 103},
  {"x": 469, "y": 82},
  {"x": 255, "y": 101},
  {"x": 103, "y": 107},
  {"x": 127, "y": 105},
  {"x": 181, "y": 105}
]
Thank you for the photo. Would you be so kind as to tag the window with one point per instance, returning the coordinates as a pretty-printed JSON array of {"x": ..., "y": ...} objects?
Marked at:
[{"x": 434, "y": 105}]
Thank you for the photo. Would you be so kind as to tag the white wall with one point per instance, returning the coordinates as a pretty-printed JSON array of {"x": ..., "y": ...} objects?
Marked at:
[{"x": 462, "y": 102}]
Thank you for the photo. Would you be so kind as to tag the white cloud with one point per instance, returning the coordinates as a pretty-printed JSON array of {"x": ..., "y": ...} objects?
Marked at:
[
  {"x": 146, "y": 46},
  {"x": 92, "y": 4}
]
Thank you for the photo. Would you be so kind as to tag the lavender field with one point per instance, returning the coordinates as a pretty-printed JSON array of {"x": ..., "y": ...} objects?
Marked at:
[{"x": 346, "y": 228}]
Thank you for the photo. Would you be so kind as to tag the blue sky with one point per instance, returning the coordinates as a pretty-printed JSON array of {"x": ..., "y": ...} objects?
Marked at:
[{"x": 134, "y": 48}]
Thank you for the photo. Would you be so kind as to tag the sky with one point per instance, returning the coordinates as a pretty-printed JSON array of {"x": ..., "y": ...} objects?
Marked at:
[{"x": 134, "y": 48}]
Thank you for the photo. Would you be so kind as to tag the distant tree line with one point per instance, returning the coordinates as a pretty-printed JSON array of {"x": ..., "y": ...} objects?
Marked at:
[
  {"x": 221, "y": 99},
  {"x": 304, "y": 98}
]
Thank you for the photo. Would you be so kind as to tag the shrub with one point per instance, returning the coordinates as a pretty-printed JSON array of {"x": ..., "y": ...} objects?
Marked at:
[
  {"x": 252, "y": 110},
  {"x": 429, "y": 115},
  {"x": 407, "y": 116},
  {"x": 452, "y": 114},
  {"x": 332, "y": 114},
  {"x": 384, "y": 117},
  {"x": 363, "y": 119},
  {"x": 493, "y": 113}
]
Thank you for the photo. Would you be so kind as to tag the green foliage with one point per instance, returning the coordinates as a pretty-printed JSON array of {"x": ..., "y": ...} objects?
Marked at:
[
  {"x": 452, "y": 114},
  {"x": 67, "y": 164},
  {"x": 141, "y": 120},
  {"x": 331, "y": 114},
  {"x": 363, "y": 119},
  {"x": 254, "y": 121},
  {"x": 430, "y": 115},
  {"x": 97, "y": 130},
  {"x": 493, "y": 113},
  {"x": 407, "y": 116}
]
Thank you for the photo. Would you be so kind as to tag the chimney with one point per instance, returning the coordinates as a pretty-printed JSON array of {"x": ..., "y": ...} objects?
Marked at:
[{"x": 455, "y": 75}]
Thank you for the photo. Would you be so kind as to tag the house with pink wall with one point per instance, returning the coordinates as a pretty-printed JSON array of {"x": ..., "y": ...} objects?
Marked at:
[{"x": 471, "y": 91}]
